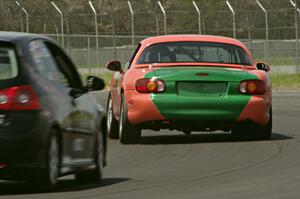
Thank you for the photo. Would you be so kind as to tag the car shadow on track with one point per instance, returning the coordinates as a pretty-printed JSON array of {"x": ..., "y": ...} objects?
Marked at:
[
  {"x": 201, "y": 138},
  {"x": 64, "y": 185}
]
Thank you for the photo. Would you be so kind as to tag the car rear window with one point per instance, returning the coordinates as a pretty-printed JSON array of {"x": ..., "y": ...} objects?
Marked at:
[
  {"x": 8, "y": 63},
  {"x": 202, "y": 52}
]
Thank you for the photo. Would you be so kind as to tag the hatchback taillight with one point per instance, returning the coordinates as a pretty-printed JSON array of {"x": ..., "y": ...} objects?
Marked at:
[
  {"x": 2, "y": 165},
  {"x": 252, "y": 87},
  {"x": 150, "y": 85},
  {"x": 19, "y": 98}
]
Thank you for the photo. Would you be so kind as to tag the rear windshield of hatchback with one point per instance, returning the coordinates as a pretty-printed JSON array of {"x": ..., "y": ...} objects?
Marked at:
[
  {"x": 199, "y": 52},
  {"x": 8, "y": 63}
]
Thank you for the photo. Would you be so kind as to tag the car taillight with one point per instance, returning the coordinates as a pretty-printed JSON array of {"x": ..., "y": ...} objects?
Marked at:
[
  {"x": 19, "y": 98},
  {"x": 150, "y": 85},
  {"x": 2, "y": 165},
  {"x": 252, "y": 87}
]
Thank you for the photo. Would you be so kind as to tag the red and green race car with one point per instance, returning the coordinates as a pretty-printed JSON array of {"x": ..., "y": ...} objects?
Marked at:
[{"x": 190, "y": 83}]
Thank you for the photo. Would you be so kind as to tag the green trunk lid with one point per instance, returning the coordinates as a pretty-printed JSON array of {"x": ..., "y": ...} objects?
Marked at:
[{"x": 198, "y": 73}]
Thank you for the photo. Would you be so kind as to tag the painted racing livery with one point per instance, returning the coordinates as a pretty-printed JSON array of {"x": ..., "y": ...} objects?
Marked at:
[{"x": 190, "y": 83}]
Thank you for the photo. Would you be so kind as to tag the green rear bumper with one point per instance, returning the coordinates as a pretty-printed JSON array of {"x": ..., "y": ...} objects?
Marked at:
[{"x": 174, "y": 107}]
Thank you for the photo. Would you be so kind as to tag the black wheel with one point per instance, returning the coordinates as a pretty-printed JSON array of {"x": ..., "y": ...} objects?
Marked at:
[
  {"x": 52, "y": 170},
  {"x": 47, "y": 177},
  {"x": 128, "y": 133},
  {"x": 252, "y": 131},
  {"x": 111, "y": 122},
  {"x": 96, "y": 173},
  {"x": 265, "y": 132},
  {"x": 99, "y": 158}
]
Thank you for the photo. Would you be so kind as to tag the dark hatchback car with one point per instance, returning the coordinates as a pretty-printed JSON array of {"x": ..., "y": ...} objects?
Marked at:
[{"x": 50, "y": 125}]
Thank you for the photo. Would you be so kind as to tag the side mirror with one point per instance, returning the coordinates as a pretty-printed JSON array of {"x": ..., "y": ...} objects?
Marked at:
[
  {"x": 263, "y": 66},
  {"x": 94, "y": 83},
  {"x": 114, "y": 66}
]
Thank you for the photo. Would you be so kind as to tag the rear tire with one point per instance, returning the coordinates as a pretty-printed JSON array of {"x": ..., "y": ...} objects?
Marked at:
[
  {"x": 128, "y": 133},
  {"x": 94, "y": 175},
  {"x": 111, "y": 122},
  {"x": 47, "y": 177},
  {"x": 252, "y": 131},
  {"x": 265, "y": 132}
]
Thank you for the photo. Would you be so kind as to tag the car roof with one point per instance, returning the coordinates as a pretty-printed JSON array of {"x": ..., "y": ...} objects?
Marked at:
[
  {"x": 199, "y": 38},
  {"x": 15, "y": 37}
]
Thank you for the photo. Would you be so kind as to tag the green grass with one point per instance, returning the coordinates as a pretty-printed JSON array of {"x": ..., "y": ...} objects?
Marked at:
[
  {"x": 106, "y": 76},
  {"x": 286, "y": 82},
  {"x": 278, "y": 61}
]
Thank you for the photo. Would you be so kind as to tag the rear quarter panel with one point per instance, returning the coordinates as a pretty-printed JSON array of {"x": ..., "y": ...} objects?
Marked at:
[
  {"x": 259, "y": 103},
  {"x": 140, "y": 105}
]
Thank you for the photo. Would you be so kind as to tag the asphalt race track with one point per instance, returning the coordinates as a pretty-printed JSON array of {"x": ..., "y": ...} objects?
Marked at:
[{"x": 168, "y": 165}]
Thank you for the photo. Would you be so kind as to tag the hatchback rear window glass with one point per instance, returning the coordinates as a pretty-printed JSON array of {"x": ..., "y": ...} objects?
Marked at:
[{"x": 8, "y": 63}]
